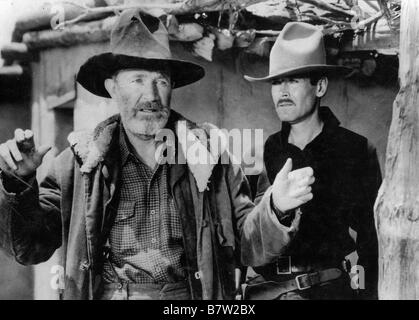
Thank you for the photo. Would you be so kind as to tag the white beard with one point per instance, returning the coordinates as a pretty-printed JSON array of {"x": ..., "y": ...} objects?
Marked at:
[{"x": 146, "y": 125}]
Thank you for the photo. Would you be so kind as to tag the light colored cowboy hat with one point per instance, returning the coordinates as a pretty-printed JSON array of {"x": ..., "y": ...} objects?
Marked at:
[
  {"x": 299, "y": 49},
  {"x": 138, "y": 40}
]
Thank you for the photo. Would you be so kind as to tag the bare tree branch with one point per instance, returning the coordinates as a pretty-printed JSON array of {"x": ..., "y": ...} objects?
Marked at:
[
  {"x": 328, "y": 7},
  {"x": 173, "y": 9},
  {"x": 326, "y": 20}
]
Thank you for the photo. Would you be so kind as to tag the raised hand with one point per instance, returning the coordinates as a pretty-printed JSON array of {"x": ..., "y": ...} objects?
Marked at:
[
  {"x": 291, "y": 189},
  {"x": 19, "y": 156}
]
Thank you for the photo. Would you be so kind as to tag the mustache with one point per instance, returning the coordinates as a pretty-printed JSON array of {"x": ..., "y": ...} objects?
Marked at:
[
  {"x": 284, "y": 101},
  {"x": 149, "y": 105}
]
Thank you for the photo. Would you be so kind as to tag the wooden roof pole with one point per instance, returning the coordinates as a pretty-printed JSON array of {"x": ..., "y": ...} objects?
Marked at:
[{"x": 397, "y": 205}]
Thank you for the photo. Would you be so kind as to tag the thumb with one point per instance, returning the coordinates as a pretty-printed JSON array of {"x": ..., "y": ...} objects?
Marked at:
[
  {"x": 283, "y": 174},
  {"x": 43, "y": 150}
]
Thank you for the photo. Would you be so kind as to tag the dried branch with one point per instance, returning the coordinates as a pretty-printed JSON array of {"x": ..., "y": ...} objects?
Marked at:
[
  {"x": 173, "y": 9},
  {"x": 328, "y": 7},
  {"x": 373, "y": 6},
  {"x": 326, "y": 20},
  {"x": 365, "y": 23}
]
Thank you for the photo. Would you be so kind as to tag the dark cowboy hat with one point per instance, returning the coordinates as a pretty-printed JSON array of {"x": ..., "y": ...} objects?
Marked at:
[
  {"x": 299, "y": 49},
  {"x": 138, "y": 40}
]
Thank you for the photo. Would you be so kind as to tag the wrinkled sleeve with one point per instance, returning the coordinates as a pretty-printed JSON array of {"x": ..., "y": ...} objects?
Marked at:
[
  {"x": 30, "y": 218},
  {"x": 262, "y": 236}
]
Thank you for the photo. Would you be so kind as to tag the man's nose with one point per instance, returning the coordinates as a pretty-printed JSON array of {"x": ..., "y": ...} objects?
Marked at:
[
  {"x": 151, "y": 93},
  {"x": 284, "y": 92},
  {"x": 283, "y": 89}
]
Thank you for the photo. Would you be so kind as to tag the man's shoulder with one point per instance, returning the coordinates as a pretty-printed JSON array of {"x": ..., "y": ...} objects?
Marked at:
[
  {"x": 351, "y": 141},
  {"x": 350, "y": 135}
]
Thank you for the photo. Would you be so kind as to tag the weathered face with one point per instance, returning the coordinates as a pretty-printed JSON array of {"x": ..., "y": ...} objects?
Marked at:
[
  {"x": 143, "y": 98},
  {"x": 295, "y": 98}
]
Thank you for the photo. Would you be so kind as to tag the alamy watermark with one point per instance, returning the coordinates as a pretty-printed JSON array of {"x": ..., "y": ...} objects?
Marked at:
[{"x": 200, "y": 146}]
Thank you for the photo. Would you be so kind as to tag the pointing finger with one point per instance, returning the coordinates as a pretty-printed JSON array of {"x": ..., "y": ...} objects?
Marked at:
[
  {"x": 286, "y": 170},
  {"x": 28, "y": 134},
  {"x": 19, "y": 135},
  {"x": 28, "y": 144}
]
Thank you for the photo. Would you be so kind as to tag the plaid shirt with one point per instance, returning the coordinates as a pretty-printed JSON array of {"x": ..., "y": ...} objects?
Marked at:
[{"x": 146, "y": 238}]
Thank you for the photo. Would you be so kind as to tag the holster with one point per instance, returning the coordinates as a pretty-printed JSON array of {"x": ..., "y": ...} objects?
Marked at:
[{"x": 260, "y": 289}]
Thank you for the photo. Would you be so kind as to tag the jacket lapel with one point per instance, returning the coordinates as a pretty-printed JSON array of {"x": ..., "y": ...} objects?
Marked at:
[{"x": 98, "y": 156}]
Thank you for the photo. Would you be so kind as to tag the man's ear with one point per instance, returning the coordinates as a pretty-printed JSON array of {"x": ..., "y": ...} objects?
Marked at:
[
  {"x": 322, "y": 85},
  {"x": 110, "y": 86}
]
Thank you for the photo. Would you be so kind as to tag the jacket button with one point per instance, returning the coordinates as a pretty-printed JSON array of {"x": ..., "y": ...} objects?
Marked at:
[
  {"x": 120, "y": 286},
  {"x": 198, "y": 275},
  {"x": 204, "y": 223}
]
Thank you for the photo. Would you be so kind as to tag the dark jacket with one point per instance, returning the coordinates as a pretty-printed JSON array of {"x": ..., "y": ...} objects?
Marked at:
[
  {"x": 72, "y": 209},
  {"x": 348, "y": 177}
]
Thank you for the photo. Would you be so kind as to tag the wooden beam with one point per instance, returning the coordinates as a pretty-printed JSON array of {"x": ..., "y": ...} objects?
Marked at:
[
  {"x": 11, "y": 71},
  {"x": 16, "y": 51},
  {"x": 73, "y": 12},
  {"x": 84, "y": 32},
  {"x": 42, "y": 16},
  {"x": 397, "y": 205}
]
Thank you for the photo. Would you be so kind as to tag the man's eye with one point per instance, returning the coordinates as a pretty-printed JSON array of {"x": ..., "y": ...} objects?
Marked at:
[
  {"x": 138, "y": 80},
  {"x": 163, "y": 82}
]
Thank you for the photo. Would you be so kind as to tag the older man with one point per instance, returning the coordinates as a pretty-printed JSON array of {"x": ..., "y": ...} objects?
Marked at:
[
  {"x": 133, "y": 226},
  {"x": 347, "y": 178}
]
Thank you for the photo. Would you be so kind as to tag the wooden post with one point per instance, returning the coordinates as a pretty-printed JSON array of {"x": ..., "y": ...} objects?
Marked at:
[{"x": 397, "y": 205}]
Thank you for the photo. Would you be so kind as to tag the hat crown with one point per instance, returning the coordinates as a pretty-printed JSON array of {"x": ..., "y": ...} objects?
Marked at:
[
  {"x": 138, "y": 41},
  {"x": 299, "y": 45},
  {"x": 140, "y": 35}
]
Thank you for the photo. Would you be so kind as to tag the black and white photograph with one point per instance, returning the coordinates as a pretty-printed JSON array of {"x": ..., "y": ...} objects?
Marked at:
[{"x": 227, "y": 151}]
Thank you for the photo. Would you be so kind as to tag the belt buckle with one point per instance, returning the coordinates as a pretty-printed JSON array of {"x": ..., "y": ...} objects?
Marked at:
[
  {"x": 285, "y": 260},
  {"x": 297, "y": 280}
]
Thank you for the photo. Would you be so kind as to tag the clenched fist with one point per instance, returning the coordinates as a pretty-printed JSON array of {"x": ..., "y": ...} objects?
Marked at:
[
  {"x": 291, "y": 189},
  {"x": 19, "y": 156}
]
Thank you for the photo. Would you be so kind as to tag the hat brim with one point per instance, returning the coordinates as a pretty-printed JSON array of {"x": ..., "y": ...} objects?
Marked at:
[
  {"x": 97, "y": 69},
  {"x": 322, "y": 68}
]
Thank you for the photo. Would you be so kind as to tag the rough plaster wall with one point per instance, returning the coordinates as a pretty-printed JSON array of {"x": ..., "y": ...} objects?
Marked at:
[
  {"x": 223, "y": 97},
  {"x": 16, "y": 281},
  {"x": 364, "y": 109}
]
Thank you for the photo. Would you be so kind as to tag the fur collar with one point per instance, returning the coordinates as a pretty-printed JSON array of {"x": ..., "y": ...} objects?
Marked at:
[{"x": 201, "y": 146}]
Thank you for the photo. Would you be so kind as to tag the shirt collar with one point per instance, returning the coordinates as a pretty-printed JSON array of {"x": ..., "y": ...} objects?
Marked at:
[{"x": 326, "y": 115}]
